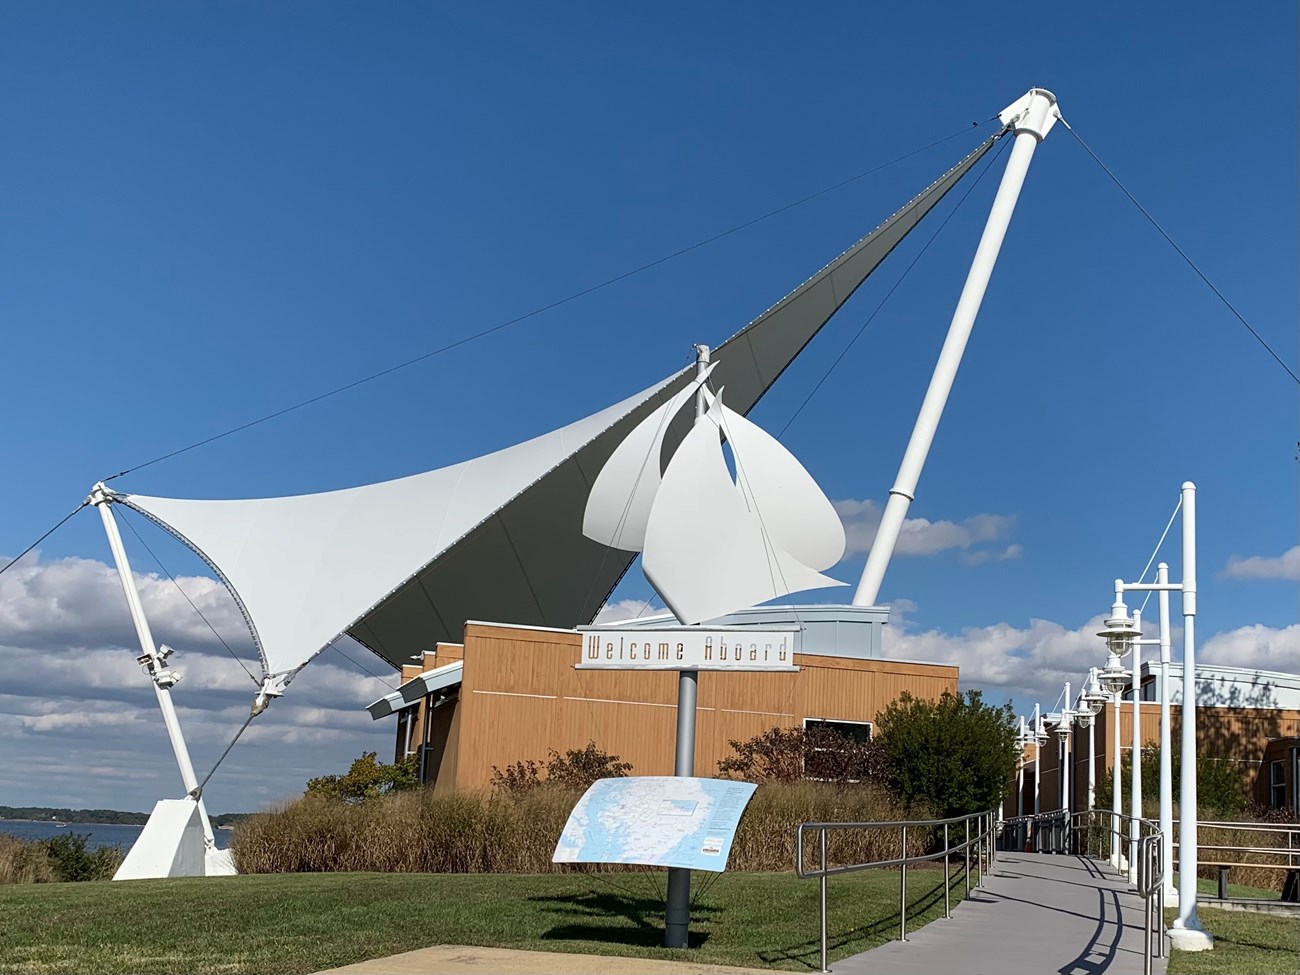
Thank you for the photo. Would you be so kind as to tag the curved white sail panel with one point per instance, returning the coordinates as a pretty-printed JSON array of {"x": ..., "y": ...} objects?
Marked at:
[
  {"x": 305, "y": 568},
  {"x": 795, "y": 512},
  {"x": 706, "y": 552},
  {"x": 620, "y": 500}
]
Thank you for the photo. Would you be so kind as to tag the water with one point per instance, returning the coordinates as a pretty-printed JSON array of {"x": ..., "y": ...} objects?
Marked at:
[{"x": 99, "y": 834}]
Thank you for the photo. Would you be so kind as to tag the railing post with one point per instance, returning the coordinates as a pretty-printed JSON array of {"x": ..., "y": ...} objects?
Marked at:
[
  {"x": 966, "y": 849},
  {"x": 822, "y": 841},
  {"x": 1160, "y": 915},
  {"x": 1146, "y": 938},
  {"x": 947, "y": 908},
  {"x": 902, "y": 893}
]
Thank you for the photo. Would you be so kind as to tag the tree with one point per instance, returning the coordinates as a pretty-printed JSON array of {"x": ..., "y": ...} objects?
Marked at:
[
  {"x": 367, "y": 779},
  {"x": 789, "y": 754},
  {"x": 956, "y": 754}
]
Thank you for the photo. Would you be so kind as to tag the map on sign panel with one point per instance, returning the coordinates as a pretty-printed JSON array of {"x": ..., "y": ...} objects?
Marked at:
[{"x": 660, "y": 821}]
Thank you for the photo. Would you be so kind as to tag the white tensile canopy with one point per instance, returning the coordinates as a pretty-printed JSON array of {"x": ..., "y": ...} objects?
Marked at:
[{"x": 402, "y": 564}]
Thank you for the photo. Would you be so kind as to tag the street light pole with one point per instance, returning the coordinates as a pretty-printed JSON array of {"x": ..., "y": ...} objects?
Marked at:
[
  {"x": 1187, "y": 933},
  {"x": 1166, "y": 749},
  {"x": 1135, "y": 805}
]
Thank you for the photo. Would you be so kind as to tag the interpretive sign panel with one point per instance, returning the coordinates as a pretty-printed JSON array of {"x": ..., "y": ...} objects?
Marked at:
[
  {"x": 687, "y": 648},
  {"x": 655, "y": 820}
]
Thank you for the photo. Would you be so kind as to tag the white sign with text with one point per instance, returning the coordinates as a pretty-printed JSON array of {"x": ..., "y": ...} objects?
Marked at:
[{"x": 687, "y": 648}]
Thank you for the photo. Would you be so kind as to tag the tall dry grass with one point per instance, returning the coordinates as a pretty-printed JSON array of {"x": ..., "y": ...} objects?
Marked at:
[
  {"x": 442, "y": 832},
  {"x": 1209, "y": 838},
  {"x": 23, "y": 862}
]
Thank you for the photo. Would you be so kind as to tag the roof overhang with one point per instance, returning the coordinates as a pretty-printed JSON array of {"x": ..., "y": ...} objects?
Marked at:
[{"x": 443, "y": 678}]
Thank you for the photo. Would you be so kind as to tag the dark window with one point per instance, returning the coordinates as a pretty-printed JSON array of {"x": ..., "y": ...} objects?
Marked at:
[
  {"x": 859, "y": 731},
  {"x": 1277, "y": 784}
]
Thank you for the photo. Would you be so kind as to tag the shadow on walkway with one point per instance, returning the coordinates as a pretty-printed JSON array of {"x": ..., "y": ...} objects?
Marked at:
[{"x": 1037, "y": 913}]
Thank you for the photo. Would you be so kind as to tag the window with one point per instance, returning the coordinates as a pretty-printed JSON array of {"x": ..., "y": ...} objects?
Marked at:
[
  {"x": 828, "y": 763},
  {"x": 859, "y": 731},
  {"x": 1295, "y": 780},
  {"x": 1277, "y": 784}
]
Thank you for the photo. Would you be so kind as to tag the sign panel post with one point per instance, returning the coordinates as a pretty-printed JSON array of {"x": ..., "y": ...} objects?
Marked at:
[{"x": 688, "y": 650}]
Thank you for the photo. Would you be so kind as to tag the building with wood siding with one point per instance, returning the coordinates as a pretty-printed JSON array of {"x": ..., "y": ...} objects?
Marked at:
[
  {"x": 1248, "y": 717},
  {"x": 511, "y": 693}
]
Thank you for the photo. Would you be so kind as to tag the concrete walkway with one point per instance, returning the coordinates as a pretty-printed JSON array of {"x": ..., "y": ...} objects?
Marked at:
[
  {"x": 1037, "y": 914},
  {"x": 462, "y": 960}
]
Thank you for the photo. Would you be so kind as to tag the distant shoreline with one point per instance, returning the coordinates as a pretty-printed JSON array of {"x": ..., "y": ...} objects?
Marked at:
[{"x": 63, "y": 822}]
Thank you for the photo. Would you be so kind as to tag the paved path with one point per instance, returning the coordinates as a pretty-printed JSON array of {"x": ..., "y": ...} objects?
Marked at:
[
  {"x": 1038, "y": 914},
  {"x": 461, "y": 960}
]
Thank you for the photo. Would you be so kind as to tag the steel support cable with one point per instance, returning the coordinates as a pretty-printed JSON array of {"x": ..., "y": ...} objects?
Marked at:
[
  {"x": 194, "y": 607},
  {"x": 197, "y": 792},
  {"x": 333, "y": 645},
  {"x": 550, "y": 306},
  {"x": 63, "y": 521},
  {"x": 1181, "y": 253},
  {"x": 1160, "y": 544},
  {"x": 890, "y": 293}
]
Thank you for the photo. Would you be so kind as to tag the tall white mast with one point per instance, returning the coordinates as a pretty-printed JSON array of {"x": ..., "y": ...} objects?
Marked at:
[
  {"x": 1030, "y": 117},
  {"x": 150, "y": 658}
]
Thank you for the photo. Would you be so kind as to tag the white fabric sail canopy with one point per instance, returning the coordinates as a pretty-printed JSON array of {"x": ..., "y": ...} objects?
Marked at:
[
  {"x": 402, "y": 564},
  {"x": 305, "y": 568}
]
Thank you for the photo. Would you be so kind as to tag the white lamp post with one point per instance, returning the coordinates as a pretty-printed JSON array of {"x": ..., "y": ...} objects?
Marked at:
[
  {"x": 1040, "y": 739},
  {"x": 1112, "y": 678},
  {"x": 1022, "y": 742},
  {"x": 1093, "y": 700},
  {"x": 1166, "y": 749},
  {"x": 1186, "y": 933}
]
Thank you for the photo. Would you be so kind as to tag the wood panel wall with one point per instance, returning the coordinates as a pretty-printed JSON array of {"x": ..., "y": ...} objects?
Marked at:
[
  {"x": 521, "y": 695},
  {"x": 1238, "y": 734}
]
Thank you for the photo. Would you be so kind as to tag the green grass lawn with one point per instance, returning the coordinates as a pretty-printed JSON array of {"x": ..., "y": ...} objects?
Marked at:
[
  {"x": 292, "y": 923},
  {"x": 1245, "y": 943}
]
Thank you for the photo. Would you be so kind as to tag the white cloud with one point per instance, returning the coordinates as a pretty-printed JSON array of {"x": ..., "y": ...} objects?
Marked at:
[
  {"x": 1284, "y": 566},
  {"x": 1257, "y": 646},
  {"x": 1026, "y": 664},
  {"x": 626, "y": 609},
  {"x": 920, "y": 536},
  {"x": 74, "y": 704}
]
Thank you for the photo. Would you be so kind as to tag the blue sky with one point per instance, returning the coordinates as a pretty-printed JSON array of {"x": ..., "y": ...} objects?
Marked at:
[{"x": 215, "y": 211}]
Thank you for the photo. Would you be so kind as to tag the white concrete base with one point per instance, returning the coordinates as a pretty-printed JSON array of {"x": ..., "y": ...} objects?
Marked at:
[
  {"x": 219, "y": 863},
  {"x": 1171, "y": 897},
  {"x": 171, "y": 845},
  {"x": 1190, "y": 938}
]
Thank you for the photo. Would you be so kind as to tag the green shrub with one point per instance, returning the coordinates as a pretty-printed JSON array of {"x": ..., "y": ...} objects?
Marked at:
[
  {"x": 956, "y": 754},
  {"x": 71, "y": 861},
  {"x": 1222, "y": 792},
  {"x": 367, "y": 779},
  {"x": 577, "y": 769}
]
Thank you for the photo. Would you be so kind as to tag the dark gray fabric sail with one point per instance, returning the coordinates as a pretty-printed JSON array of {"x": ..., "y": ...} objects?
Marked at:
[{"x": 528, "y": 562}]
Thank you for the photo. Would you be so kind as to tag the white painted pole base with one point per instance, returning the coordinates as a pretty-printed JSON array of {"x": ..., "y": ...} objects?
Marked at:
[{"x": 1187, "y": 938}]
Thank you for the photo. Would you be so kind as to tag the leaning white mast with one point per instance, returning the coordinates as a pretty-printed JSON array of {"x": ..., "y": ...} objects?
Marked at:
[
  {"x": 1030, "y": 118},
  {"x": 150, "y": 658}
]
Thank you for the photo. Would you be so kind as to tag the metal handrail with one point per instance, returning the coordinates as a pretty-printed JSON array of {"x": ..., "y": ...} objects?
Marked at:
[
  {"x": 1289, "y": 854},
  {"x": 981, "y": 842},
  {"x": 1063, "y": 832},
  {"x": 1149, "y": 868}
]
